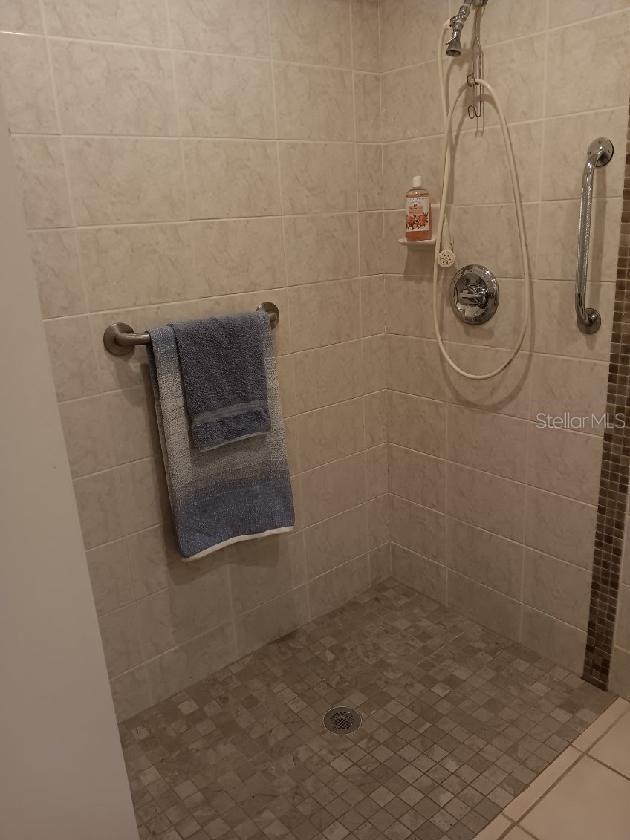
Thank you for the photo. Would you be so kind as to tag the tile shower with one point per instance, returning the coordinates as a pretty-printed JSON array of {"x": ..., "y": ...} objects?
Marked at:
[{"x": 186, "y": 158}]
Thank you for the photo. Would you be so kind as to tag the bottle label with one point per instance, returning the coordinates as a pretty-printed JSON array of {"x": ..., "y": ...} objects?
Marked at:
[{"x": 418, "y": 213}]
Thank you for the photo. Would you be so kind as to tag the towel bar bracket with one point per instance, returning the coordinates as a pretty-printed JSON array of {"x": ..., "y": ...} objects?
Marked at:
[{"x": 120, "y": 339}]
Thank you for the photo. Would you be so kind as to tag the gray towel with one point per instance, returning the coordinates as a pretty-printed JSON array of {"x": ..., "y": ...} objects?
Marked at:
[
  {"x": 223, "y": 374},
  {"x": 224, "y": 495}
]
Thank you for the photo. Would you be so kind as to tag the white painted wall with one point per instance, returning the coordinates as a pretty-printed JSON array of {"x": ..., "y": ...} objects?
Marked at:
[{"x": 62, "y": 775}]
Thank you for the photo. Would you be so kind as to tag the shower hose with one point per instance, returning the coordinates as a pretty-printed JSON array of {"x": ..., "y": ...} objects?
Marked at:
[{"x": 443, "y": 223}]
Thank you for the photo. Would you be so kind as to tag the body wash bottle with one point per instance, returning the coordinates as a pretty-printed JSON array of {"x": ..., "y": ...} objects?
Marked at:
[{"x": 418, "y": 225}]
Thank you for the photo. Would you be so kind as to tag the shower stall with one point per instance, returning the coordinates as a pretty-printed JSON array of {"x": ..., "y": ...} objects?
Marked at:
[{"x": 452, "y": 608}]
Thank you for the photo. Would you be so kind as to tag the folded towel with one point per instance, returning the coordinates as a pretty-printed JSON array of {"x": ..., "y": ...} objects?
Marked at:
[
  {"x": 223, "y": 374},
  {"x": 224, "y": 495}
]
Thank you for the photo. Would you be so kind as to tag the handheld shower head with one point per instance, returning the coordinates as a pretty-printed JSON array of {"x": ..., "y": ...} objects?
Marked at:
[{"x": 454, "y": 46}]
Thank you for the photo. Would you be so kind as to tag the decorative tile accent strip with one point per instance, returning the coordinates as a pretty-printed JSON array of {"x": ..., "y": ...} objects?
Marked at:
[{"x": 613, "y": 482}]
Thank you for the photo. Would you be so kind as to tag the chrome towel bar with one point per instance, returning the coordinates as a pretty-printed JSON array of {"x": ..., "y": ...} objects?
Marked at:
[
  {"x": 120, "y": 339},
  {"x": 600, "y": 153}
]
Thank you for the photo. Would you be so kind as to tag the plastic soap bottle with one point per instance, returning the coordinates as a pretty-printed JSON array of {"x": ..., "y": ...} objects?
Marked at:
[{"x": 419, "y": 226}]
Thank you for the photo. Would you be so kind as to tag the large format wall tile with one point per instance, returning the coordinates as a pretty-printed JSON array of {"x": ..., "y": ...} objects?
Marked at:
[
  {"x": 103, "y": 89},
  {"x": 314, "y": 103},
  {"x": 20, "y": 16},
  {"x": 42, "y": 178},
  {"x": 26, "y": 85},
  {"x": 127, "y": 21},
  {"x": 318, "y": 177},
  {"x": 312, "y": 34},
  {"x": 219, "y": 96},
  {"x": 236, "y": 27},
  {"x": 125, "y": 180}
]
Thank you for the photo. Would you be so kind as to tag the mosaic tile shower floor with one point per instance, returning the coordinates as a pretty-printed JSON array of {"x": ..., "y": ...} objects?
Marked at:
[{"x": 456, "y": 722}]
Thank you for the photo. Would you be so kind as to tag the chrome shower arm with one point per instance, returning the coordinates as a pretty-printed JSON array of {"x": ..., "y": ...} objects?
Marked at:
[{"x": 600, "y": 153}]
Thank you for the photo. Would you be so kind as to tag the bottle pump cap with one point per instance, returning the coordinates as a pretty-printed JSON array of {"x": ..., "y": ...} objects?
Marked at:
[{"x": 416, "y": 182}]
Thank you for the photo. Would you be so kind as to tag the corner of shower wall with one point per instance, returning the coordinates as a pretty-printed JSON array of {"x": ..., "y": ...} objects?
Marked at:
[{"x": 491, "y": 514}]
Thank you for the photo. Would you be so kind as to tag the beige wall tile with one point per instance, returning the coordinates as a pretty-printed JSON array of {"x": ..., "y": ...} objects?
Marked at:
[
  {"x": 369, "y": 175},
  {"x": 565, "y": 462},
  {"x": 403, "y": 160},
  {"x": 563, "y": 12},
  {"x": 328, "y": 375},
  {"x": 403, "y": 41},
  {"x": 236, "y": 27},
  {"x": 303, "y": 32},
  {"x": 20, "y": 16},
  {"x": 26, "y": 84},
  {"x": 622, "y": 633},
  {"x": 419, "y": 529},
  {"x": 367, "y": 98},
  {"x": 484, "y": 605},
  {"x": 620, "y": 672},
  {"x": 415, "y": 367},
  {"x": 378, "y": 521},
  {"x": 137, "y": 22},
  {"x": 484, "y": 500},
  {"x": 375, "y": 361},
  {"x": 417, "y": 423},
  {"x": 150, "y": 553},
  {"x": 73, "y": 363},
  {"x": 490, "y": 442},
  {"x": 56, "y": 265},
  {"x": 125, "y": 180},
  {"x": 375, "y": 411},
  {"x": 318, "y": 177},
  {"x": 132, "y": 416},
  {"x": 554, "y": 320},
  {"x": 554, "y": 639},
  {"x": 410, "y": 109},
  {"x": 576, "y": 386},
  {"x": 121, "y": 642},
  {"x": 557, "y": 588},
  {"x": 141, "y": 493},
  {"x": 198, "y": 598},
  {"x": 138, "y": 265},
  {"x": 313, "y": 103},
  {"x": 484, "y": 557},
  {"x": 265, "y": 569},
  {"x": 380, "y": 564},
  {"x": 219, "y": 96},
  {"x": 321, "y": 247},
  {"x": 329, "y": 591},
  {"x": 272, "y": 620},
  {"x": 373, "y": 305},
  {"x": 99, "y": 512},
  {"x": 238, "y": 255},
  {"x": 365, "y": 34},
  {"x": 410, "y": 306},
  {"x": 561, "y": 527},
  {"x": 417, "y": 477},
  {"x": 397, "y": 259},
  {"x": 110, "y": 575},
  {"x": 88, "y": 430},
  {"x": 336, "y": 541},
  {"x": 419, "y": 573},
  {"x": 42, "y": 178},
  {"x": 228, "y": 178},
  {"x": 567, "y": 140},
  {"x": 328, "y": 434},
  {"x": 377, "y": 471},
  {"x": 106, "y": 89},
  {"x": 324, "y": 313},
  {"x": 512, "y": 19},
  {"x": 370, "y": 243},
  {"x": 556, "y": 258},
  {"x": 588, "y": 66},
  {"x": 333, "y": 488}
]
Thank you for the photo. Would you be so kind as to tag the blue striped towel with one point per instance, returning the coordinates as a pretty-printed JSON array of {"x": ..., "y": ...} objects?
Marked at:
[{"x": 220, "y": 496}]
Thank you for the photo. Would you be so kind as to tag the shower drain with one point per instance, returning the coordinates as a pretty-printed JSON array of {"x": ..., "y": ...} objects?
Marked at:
[{"x": 342, "y": 719}]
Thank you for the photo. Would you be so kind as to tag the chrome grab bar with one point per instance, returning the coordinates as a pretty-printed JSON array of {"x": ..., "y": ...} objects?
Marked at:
[{"x": 600, "y": 153}]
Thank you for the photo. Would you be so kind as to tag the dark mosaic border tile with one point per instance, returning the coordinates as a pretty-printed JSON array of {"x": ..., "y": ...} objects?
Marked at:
[{"x": 615, "y": 470}]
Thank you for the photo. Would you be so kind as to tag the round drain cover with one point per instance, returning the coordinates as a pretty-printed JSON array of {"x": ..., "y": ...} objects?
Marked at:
[{"x": 342, "y": 719}]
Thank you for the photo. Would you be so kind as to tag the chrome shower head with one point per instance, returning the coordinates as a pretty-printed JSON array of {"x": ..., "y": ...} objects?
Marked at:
[
  {"x": 457, "y": 23},
  {"x": 454, "y": 46}
]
